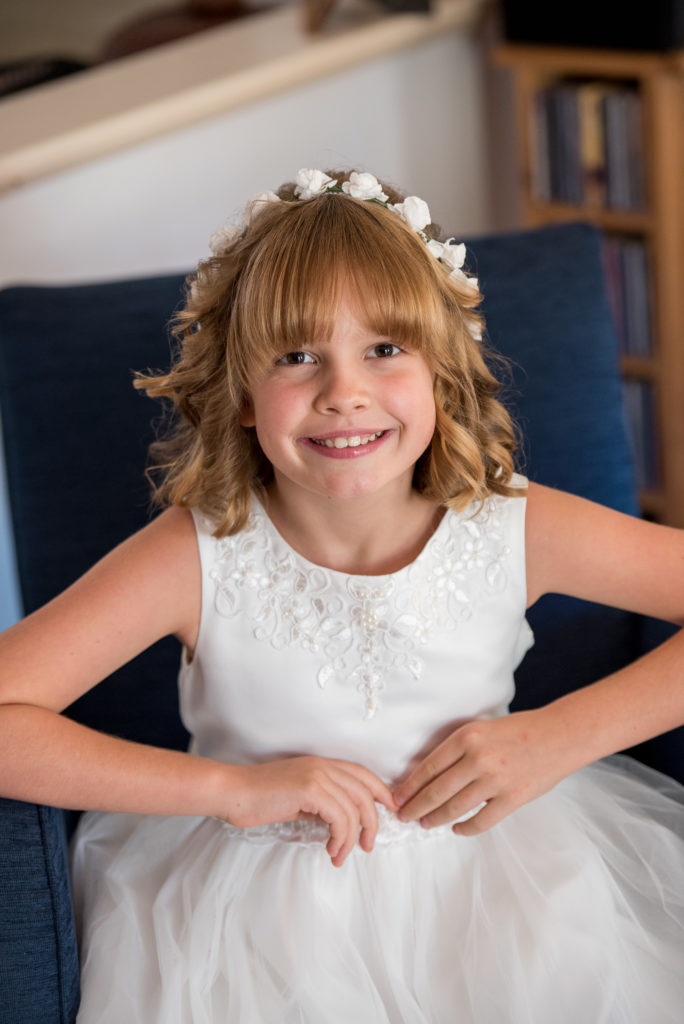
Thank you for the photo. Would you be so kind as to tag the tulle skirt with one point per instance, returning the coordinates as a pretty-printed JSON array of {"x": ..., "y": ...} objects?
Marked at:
[{"x": 571, "y": 911}]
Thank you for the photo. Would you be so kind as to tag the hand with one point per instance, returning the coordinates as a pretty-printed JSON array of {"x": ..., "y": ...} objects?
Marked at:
[
  {"x": 340, "y": 793},
  {"x": 500, "y": 763}
]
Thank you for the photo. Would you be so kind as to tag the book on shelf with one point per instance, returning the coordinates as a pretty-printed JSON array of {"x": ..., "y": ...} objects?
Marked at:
[
  {"x": 590, "y": 97},
  {"x": 588, "y": 144},
  {"x": 640, "y": 405},
  {"x": 628, "y": 283}
]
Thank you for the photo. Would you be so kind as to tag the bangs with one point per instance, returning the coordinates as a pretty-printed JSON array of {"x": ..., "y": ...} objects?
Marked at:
[{"x": 308, "y": 256}]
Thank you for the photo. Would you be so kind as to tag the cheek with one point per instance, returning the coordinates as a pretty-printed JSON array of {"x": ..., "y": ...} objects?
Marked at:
[
  {"x": 275, "y": 417},
  {"x": 424, "y": 409}
]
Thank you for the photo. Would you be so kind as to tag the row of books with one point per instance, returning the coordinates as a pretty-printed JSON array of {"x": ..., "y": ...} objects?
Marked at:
[
  {"x": 628, "y": 282},
  {"x": 640, "y": 402},
  {"x": 588, "y": 144}
]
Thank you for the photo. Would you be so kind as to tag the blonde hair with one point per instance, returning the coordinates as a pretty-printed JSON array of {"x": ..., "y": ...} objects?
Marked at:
[{"x": 277, "y": 288}]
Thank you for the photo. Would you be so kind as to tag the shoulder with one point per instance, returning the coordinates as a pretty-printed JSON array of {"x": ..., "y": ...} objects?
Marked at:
[
  {"x": 166, "y": 548},
  {"x": 578, "y": 547},
  {"x": 168, "y": 552},
  {"x": 161, "y": 563},
  {"x": 145, "y": 588}
]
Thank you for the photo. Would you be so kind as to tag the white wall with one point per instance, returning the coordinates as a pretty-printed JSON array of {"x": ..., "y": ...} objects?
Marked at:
[{"x": 415, "y": 118}]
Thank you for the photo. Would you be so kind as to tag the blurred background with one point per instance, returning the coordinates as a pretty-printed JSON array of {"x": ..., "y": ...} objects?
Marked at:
[
  {"x": 130, "y": 130},
  {"x": 176, "y": 154}
]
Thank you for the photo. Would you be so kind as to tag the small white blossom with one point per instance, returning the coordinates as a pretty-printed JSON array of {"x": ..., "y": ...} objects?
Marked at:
[
  {"x": 458, "y": 275},
  {"x": 256, "y": 201},
  {"x": 363, "y": 186},
  {"x": 223, "y": 238},
  {"x": 310, "y": 183},
  {"x": 453, "y": 256},
  {"x": 415, "y": 212}
]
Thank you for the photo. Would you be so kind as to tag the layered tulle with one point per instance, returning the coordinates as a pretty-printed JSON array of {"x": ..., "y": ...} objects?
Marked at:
[{"x": 570, "y": 910}]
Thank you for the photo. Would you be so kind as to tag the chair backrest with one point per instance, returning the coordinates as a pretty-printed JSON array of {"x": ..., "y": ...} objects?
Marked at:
[
  {"x": 547, "y": 312},
  {"x": 76, "y": 436}
]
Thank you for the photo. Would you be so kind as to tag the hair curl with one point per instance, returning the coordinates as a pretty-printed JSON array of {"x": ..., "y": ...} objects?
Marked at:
[{"x": 277, "y": 287}]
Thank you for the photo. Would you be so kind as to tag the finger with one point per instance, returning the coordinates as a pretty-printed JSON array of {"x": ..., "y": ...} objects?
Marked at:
[
  {"x": 437, "y": 762},
  {"x": 379, "y": 789},
  {"x": 323, "y": 798},
  {"x": 491, "y": 814},
  {"x": 363, "y": 797},
  {"x": 343, "y": 821},
  {"x": 468, "y": 801},
  {"x": 441, "y": 789}
]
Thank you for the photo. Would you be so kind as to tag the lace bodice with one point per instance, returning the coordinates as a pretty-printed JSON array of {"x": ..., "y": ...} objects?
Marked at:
[{"x": 296, "y": 658}]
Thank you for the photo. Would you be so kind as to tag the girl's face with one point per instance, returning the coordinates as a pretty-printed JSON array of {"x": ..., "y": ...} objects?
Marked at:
[{"x": 346, "y": 417}]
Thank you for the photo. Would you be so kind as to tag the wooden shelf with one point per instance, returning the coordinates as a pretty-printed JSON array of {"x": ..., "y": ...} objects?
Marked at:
[
  {"x": 640, "y": 367},
  {"x": 659, "y": 80},
  {"x": 584, "y": 63},
  {"x": 621, "y": 221},
  {"x": 653, "y": 505},
  {"x": 83, "y": 117}
]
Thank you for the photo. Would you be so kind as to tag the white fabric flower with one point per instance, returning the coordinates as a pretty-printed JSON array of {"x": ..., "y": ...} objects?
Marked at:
[
  {"x": 223, "y": 238},
  {"x": 458, "y": 275},
  {"x": 453, "y": 256},
  {"x": 415, "y": 212},
  {"x": 310, "y": 183},
  {"x": 362, "y": 185},
  {"x": 256, "y": 201}
]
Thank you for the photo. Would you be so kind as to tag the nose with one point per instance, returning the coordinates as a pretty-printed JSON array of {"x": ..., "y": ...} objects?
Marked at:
[{"x": 343, "y": 390}]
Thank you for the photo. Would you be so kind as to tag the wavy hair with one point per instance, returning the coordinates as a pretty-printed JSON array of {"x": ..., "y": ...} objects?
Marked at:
[{"x": 277, "y": 288}]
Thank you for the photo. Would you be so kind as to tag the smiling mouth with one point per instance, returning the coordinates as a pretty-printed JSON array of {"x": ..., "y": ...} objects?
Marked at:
[{"x": 355, "y": 441}]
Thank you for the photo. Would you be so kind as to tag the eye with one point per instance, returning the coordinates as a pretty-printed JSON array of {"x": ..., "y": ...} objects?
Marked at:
[
  {"x": 295, "y": 359},
  {"x": 384, "y": 350}
]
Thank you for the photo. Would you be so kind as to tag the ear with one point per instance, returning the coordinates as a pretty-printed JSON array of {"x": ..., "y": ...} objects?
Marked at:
[{"x": 247, "y": 417}]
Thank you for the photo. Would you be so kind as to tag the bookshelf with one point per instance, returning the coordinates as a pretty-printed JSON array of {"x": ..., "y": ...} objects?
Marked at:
[{"x": 601, "y": 139}]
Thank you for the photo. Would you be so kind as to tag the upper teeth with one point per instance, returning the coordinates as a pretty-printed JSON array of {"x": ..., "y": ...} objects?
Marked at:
[{"x": 348, "y": 442}]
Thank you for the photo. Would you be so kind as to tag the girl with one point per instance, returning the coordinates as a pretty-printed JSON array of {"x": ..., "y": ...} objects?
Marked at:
[{"x": 347, "y": 556}]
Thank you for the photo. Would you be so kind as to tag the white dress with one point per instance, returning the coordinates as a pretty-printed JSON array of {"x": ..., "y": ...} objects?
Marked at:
[{"x": 571, "y": 911}]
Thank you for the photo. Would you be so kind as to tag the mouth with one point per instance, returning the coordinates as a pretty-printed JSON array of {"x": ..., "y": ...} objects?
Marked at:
[{"x": 354, "y": 441}]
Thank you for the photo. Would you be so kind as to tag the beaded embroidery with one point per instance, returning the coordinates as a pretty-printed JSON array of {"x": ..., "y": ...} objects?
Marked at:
[
  {"x": 361, "y": 627},
  {"x": 317, "y": 833}
]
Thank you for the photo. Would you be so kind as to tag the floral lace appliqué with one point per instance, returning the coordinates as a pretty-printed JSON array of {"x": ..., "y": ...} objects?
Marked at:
[
  {"x": 317, "y": 833},
  {"x": 360, "y": 627}
]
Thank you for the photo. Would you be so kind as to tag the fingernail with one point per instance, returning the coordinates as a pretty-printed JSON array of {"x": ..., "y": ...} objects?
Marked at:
[
  {"x": 401, "y": 816},
  {"x": 424, "y": 823}
]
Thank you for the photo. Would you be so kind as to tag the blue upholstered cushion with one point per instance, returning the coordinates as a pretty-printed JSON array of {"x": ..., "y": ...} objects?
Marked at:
[
  {"x": 547, "y": 313},
  {"x": 76, "y": 434},
  {"x": 76, "y": 441},
  {"x": 38, "y": 962}
]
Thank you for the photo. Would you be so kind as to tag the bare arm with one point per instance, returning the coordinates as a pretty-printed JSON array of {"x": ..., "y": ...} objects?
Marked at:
[
  {"x": 578, "y": 548},
  {"x": 147, "y": 588}
]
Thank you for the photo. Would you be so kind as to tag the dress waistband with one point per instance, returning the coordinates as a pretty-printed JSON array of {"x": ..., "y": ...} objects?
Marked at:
[{"x": 314, "y": 832}]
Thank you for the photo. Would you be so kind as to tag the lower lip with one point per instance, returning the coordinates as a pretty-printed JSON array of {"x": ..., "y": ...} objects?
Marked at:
[{"x": 356, "y": 452}]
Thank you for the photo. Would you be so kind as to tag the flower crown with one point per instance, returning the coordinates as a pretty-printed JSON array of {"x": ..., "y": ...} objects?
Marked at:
[{"x": 361, "y": 185}]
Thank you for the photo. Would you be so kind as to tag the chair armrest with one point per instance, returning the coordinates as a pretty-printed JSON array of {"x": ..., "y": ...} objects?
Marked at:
[{"x": 39, "y": 977}]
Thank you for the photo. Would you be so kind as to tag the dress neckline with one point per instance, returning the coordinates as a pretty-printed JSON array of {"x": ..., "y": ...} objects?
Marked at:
[{"x": 258, "y": 509}]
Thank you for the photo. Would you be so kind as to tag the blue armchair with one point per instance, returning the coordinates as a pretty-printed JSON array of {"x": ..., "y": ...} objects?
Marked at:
[{"x": 76, "y": 435}]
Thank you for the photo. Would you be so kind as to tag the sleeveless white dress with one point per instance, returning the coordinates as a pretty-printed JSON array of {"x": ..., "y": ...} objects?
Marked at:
[{"x": 570, "y": 910}]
